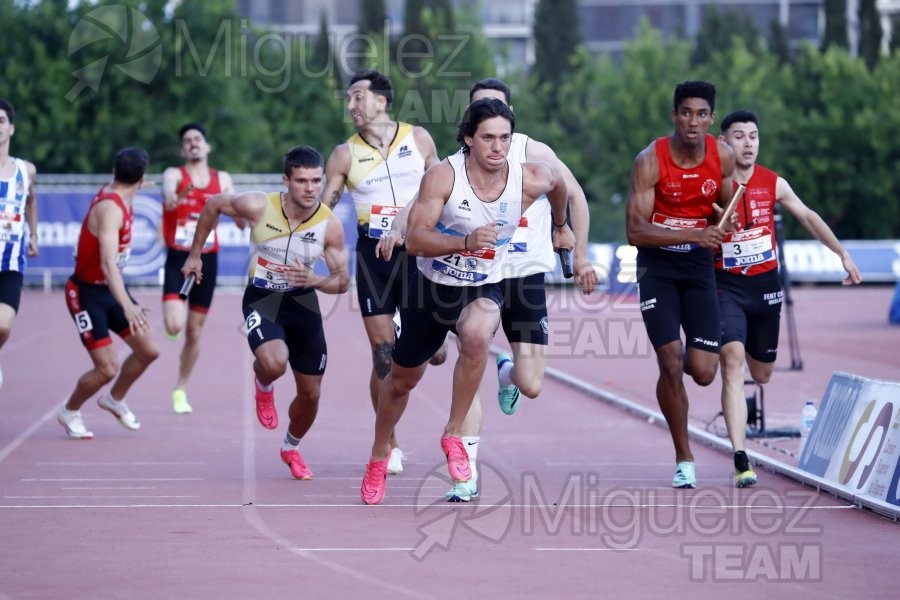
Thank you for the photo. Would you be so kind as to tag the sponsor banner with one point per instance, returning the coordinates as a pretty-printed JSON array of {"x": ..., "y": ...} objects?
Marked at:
[
  {"x": 810, "y": 261},
  {"x": 880, "y": 436},
  {"x": 60, "y": 217},
  {"x": 623, "y": 275},
  {"x": 854, "y": 442},
  {"x": 835, "y": 412},
  {"x": 62, "y": 212},
  {"x": 893, "y": 491},
  {"x": 806, "y": 261}
]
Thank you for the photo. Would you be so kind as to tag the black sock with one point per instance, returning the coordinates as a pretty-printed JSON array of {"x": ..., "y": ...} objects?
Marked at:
[{"x": 741, "y": 461}]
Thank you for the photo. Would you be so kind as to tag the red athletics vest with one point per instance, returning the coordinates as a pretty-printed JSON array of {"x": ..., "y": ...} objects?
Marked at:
[
  {"x": 684, "y": 197},
  {"x": 87, "y": 257},
  {"x": 179, "y": 223},
  {"x": 751, "y": 249}
]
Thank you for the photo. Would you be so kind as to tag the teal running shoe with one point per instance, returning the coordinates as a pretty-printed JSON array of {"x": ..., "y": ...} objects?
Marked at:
[
  {"x": 685, "y": 476},
  {"x": 507, "y": 395},
  {"x": 463, "y": 491}
]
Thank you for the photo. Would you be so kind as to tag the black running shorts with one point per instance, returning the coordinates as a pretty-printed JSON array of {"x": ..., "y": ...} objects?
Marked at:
[
  {"x": 751, "y": 312},
  {"x": 428, "y": 312},
  {"x": 292, "y": 317},
  {"x": 678, "y": 291},
  {"x": 11, "y": 288},
  {"x": 95, "y": 313},
  {"x": 524, "y": 310},
  {"x": 201, "y": 294},
  {"x": 380, "y": 283}
]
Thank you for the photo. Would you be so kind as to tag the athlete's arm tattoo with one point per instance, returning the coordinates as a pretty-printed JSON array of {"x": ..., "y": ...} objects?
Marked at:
[{"x": 335, "y": 196}]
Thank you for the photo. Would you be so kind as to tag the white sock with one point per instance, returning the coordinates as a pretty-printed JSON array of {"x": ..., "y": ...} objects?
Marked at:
[
  {"x": 265, "y": 388},
  {"x": 471, "y": 444},
  {"x": 505, "y": 372},
  {"x": 290, "y": 442}
]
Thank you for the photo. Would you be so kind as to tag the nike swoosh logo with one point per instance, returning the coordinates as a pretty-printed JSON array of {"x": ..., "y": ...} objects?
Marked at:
[
  {"x": 465, "y": 473},
  {"x": 471, "y": 443}
]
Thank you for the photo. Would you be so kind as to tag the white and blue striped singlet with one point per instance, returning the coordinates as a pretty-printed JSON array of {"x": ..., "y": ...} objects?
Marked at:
[{"x": 13, "y": 228}]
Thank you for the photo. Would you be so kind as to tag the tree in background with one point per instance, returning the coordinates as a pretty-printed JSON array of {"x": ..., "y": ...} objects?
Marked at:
[
  {"x": 830, "y": 123},
  {"x": 435, "y": 95},
  {"x": 423, "y": 22},
  {"x": 214, "y": 77},
  {"x": 836, "y": 152},
  {"x": 895, "y": 35},
  {"x": 323, "y": 59},
  {"x": 610, "y": 113},
  {"x": 372, "y": 15},
  {"x": 371, "y": 26},
  {"x": 557, "y": 33},
  {"x": 835, "y": 24},
  {"x": 779, "y": 42},
  {"x": 869, "y": 33},
  {"x": 414, "y": 43},
  {"x": 717, "y": 30}
]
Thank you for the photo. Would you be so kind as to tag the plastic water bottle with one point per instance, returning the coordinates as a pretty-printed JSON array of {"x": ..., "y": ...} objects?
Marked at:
[{"x": 807, "y": 418}]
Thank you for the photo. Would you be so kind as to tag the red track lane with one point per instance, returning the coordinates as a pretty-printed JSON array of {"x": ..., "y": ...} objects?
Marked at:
[{"x": 576, "y": 500}]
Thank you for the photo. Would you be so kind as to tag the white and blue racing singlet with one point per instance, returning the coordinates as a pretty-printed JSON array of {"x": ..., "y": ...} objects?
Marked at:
[
  {"x": 531, "y": 248},
  {"x": 463, "y": 213},
  {"x": 381, "y": 187},
  {"x": 13, "y": 228},
  {"x": 276, "y": 246}
]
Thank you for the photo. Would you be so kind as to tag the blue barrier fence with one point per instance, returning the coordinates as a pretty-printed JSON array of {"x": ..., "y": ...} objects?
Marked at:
[{"x": 63, "y": 202}]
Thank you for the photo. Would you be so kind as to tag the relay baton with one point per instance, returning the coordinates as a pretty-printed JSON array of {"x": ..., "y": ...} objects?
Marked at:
[
  {"x": 732, "y": 204},
  {"x": 187, "y": 286},
  {"x": 565, "y": 261},
  {"x": 565, "y": 255}
]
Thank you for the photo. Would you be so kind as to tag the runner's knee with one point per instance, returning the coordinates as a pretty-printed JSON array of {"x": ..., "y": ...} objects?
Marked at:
[
  {"x": 761, "y": 372},
  {"x": 381, "y": 359},
  {"x": 271, "y": 367},
  {"x": 107, "y": 369},
  {"x": 671, "y": 365},
  {"x": 148, "y": 355},
  {"x": 703, "y": 372},
  {"x": 530, "y": 384}
]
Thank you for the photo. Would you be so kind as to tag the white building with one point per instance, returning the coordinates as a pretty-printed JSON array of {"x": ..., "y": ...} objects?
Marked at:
[{"x": 606, "y": 25}]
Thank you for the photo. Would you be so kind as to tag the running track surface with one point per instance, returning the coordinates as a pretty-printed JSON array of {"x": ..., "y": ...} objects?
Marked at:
[{"x": 576, "y": 500}]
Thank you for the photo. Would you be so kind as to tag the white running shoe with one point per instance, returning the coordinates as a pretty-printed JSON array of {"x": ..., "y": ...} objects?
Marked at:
[
  {"x": 120, "y": 410},
  {"x": 395, "y": 462},
  {"x": 73, "y": 424}
]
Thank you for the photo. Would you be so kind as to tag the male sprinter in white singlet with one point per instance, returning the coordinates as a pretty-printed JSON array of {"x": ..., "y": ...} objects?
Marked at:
[
  {"x": 460, "y": 227},
  {"x": 18, "y": 222}
]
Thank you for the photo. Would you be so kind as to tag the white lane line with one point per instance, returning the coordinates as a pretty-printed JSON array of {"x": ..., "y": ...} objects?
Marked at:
[
  {"x": 606, "y": 464},
  {"x": 253, "y": 517},
  {"x": 10, "y": 447},
  {"x": 85, "y": 479},
  {"x": 460, "y": 505},
  {"x": 165, "y": 463},
  {"x": 587, "y": 549},
  {"x": 95, "y": 496},
  {"x": 352, "y": 549},
  {"x": 108, "y": 487}
]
